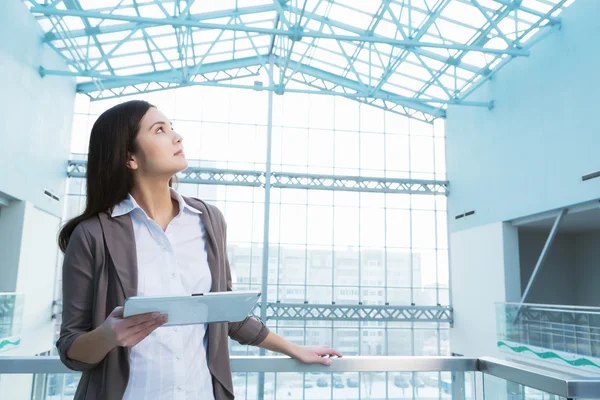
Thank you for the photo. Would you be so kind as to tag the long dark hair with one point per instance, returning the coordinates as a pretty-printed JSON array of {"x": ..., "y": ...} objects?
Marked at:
[{"x": 108, "y": 179}]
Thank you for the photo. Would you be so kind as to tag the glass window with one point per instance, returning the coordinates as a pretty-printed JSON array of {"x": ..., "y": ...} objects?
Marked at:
[{"x": 325, "y": 246}]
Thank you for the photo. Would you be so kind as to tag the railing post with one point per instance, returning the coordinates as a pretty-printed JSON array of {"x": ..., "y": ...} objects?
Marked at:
[{"x": 458, "y": 385}]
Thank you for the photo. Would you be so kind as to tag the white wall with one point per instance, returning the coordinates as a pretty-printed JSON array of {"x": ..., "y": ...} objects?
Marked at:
[
  {"x": 35, "y": 113},
  {"x": 36, "y": 277},
  {"x": 482, "y": 261},
  {"x": 528, "y": 153}
]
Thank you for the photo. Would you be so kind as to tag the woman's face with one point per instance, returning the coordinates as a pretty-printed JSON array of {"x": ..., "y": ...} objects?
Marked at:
[{"x": 159, "y": 147}]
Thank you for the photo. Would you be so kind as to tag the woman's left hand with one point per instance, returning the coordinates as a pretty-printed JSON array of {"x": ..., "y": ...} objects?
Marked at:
[{"x": 315, "y": 354}]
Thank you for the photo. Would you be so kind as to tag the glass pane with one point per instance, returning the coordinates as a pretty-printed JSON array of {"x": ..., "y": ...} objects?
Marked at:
[
  {"x": 573, "y": 330},
  {"x": 501, "y": 389},
  {"x": 12, "y": 307}
]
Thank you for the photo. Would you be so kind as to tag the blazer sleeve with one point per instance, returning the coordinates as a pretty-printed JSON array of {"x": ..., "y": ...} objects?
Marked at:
[
  {"x": 251, "y": 331},
  {"x": 77, "y": 295}
]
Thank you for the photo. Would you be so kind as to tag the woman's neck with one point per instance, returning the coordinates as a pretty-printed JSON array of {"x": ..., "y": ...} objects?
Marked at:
[{"x": 155, "y": 199}]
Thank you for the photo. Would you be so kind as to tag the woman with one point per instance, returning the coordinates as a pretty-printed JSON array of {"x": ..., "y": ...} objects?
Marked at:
[{"x": 139, "y": 237}]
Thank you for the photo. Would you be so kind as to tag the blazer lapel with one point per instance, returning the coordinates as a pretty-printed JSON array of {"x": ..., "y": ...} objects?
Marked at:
[
  {"x": 120, "y": 243},
  {"x": 211, "y": 244}
]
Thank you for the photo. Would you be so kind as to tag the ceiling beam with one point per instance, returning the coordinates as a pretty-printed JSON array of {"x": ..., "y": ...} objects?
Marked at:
[
  {"x": 269, "y": 31},
  {"x": 98, "y": 30}
]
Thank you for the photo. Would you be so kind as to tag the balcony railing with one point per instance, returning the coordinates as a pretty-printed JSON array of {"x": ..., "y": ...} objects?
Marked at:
[
  {"x": 11, "y": 320},
  {"x": 368, "y": 378},
  {"x": 564, "y": 334}
]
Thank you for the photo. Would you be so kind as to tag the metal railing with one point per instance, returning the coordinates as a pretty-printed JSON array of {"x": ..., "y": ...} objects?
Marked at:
[
  {"x": 549, "y": 382},
  {"x": 567, "y": 329}
]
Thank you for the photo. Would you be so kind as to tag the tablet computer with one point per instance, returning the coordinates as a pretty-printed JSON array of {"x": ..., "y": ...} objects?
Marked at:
[{"x": 197, "y": 308}]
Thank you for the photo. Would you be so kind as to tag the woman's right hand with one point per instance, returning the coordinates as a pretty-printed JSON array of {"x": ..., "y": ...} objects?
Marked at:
[{"x": 128, "y": 332}]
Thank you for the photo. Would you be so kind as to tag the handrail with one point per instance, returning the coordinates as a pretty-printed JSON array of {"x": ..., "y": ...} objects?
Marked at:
[
  {"x": 552, "y": 382},
  {"x": 563, "y": 385},
  {"x": 53, "y": 365},
  {"x": 550, "y": 306},
  {"x": 356, "y": 364}
]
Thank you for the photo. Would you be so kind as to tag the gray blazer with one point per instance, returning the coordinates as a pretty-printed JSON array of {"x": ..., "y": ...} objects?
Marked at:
[{"x": 100, "y": 272}]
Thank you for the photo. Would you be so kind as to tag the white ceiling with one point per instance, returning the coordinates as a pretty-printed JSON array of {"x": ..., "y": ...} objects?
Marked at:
[{"x": 586, "y": 220}]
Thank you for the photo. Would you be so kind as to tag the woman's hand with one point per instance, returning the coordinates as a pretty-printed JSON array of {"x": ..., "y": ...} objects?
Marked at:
[
  {"x": 315, "y": 354},
  {"x": 128, "y": 332},
  {"x": 305, "y": 354}
]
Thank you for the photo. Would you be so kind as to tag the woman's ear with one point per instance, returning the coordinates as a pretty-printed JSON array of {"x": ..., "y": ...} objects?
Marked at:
[{"x": 131, "y": 161}]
